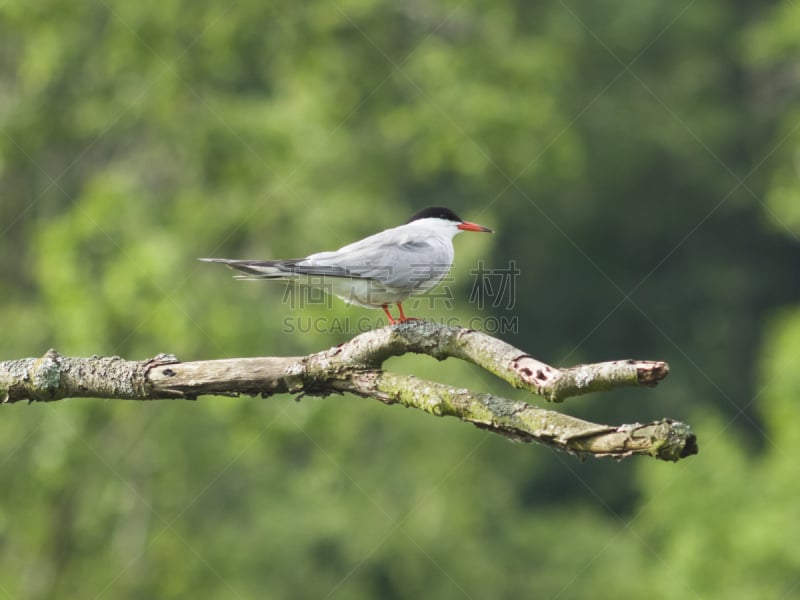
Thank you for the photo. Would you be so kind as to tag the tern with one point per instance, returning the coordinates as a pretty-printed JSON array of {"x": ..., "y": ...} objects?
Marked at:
[{"x": 382, "y": 269}]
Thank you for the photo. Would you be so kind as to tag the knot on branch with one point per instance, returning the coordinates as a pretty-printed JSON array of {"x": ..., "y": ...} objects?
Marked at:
[
  {"x": 534, "y": 374},
  {"x": 46, "y": 375},
  {"x": 35, "y": 379}
]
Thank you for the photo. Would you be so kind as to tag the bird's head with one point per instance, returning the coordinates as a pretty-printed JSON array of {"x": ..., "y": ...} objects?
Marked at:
[{"x": 439, "y": 216}]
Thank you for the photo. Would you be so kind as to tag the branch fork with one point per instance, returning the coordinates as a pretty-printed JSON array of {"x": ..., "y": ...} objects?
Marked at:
[{"x": 355, "y": 367}]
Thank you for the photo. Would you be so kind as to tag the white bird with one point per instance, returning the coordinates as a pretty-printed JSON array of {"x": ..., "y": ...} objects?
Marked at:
[{"x": 382, "y": 269}]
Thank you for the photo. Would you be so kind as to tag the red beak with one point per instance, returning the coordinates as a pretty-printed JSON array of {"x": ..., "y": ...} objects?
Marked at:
[{"x": 467, "y": 226}]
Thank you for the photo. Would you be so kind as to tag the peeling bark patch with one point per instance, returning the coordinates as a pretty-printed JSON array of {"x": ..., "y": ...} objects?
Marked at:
[{"x": 651, "y": 374}]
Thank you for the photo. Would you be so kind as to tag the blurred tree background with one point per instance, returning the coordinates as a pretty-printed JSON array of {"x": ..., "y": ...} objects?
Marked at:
[{"x": 639, "y": 162}]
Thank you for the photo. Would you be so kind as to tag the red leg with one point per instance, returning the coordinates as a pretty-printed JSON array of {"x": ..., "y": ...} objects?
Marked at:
[
  {"x": 385, "y": 308},
  {"x": 403, "y": 317}
]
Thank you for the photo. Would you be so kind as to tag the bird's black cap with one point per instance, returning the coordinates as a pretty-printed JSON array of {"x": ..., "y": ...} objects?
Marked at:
[{"x": 436, "y": 212}]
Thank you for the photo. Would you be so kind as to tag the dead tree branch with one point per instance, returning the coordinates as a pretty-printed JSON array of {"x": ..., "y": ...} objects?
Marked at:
[{"x": 355, "y": 367}]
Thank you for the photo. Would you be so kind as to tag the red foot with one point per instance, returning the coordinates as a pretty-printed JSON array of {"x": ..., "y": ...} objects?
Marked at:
[{"x": 403, "y": 317}]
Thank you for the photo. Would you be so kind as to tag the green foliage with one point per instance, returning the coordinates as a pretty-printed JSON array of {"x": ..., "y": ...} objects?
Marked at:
[
  {"x": 630, "y": 157},
  {"x": 727, "y": 534}
]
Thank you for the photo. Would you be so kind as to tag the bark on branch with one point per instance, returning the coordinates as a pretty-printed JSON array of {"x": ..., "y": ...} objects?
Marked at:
[{"x": 355, "y": 367}]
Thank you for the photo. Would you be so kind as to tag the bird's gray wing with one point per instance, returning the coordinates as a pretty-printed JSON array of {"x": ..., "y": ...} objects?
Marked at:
[
  {"x": 394, "y": 261},
  {"x": 391, "y": 257}
]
